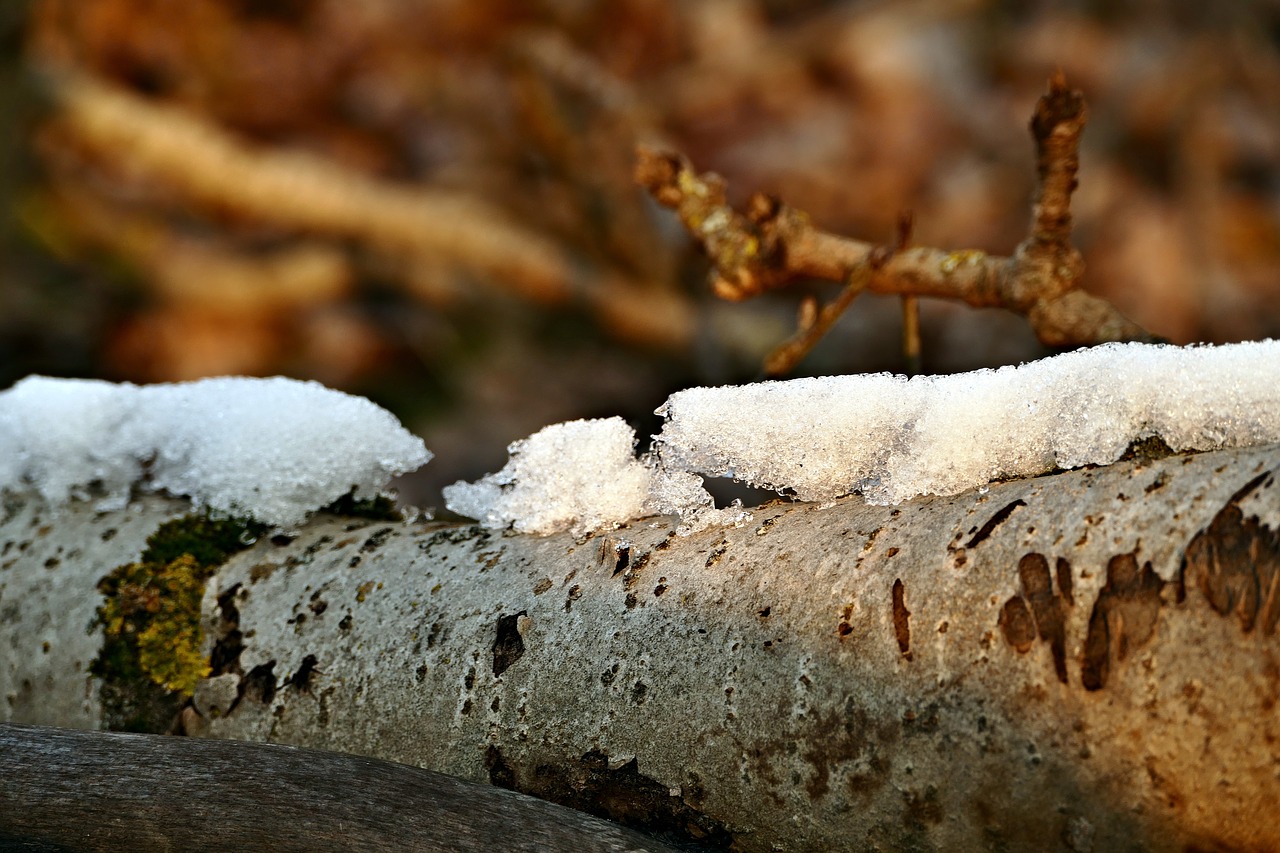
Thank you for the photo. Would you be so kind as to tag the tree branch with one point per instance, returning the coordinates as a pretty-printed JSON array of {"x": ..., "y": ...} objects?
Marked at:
[{"x": 771, "y": 245}]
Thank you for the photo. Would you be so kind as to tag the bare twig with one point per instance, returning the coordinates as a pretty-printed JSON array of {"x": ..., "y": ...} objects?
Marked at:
[
  {"x": 214, "y": 170},
  {"x": 910, "y": 304},
  {"x": 772, "y": 245},
  {"x": 814, "y": 323}
]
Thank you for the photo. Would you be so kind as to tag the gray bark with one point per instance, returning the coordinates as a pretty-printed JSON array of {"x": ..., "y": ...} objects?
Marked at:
[
  {"x": 1083, "y": 661},
  {"x": 94, "y": 792}
]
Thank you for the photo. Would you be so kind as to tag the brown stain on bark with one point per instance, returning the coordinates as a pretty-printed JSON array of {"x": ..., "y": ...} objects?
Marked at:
[
  {"x": 1018, "y": 626},
  {"x": 1065, "y": 582},
  {"x": 847, "y": 742},
  {"x": 1235, "y": 563},
  {"x": 1039, "y": 611},
  {"x": 901, "y": 617},
  {"x": 1123, "y": 619},
  {"x": 1047, "y": 608}
]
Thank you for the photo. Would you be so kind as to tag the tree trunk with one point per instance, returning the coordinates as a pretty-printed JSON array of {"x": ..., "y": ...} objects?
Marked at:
[{"x": 1083, "y": 661}]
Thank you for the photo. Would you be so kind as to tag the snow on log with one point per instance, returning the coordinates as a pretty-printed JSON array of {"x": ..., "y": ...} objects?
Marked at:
[{"x": 1086, "y": 660}]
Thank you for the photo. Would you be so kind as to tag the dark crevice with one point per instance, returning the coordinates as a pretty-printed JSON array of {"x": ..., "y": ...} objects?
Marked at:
[
  {"x": 225, "y": 656},
  {"x": 508, "y": 646},
  {"x": 901, "y": 616},
  {"x": 302, "y": 679},
  {"x": 992, "y": 523},
  {"x": 623, "y": 558},
  {"x": 259, "y": 684},
  {"x": 622, "y": 795}
]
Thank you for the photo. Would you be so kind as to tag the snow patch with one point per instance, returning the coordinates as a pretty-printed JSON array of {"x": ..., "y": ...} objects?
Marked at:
[
  {"x": 274, "y": 449},
  {"x": 887, "y": 437},
  {"x": 277, "y": 449},
  {"x": 580, "y": 476},
  {"x": 893, "y": 438}
]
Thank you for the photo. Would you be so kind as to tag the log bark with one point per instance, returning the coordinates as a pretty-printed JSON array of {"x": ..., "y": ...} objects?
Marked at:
[
  {"x": 1082, "y": 661},
  {"x": 95, "y": 792}
]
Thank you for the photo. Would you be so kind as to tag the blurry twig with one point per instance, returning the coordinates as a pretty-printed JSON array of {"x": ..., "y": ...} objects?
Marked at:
[
  {"x": 214, "y": 170},
  {"x": 771, "y": 245}
]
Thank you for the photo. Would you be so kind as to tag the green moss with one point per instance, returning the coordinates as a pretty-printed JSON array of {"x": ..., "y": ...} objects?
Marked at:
[
  {"x": 151, "y": 656},
  {"x": 210, "y": 541}
]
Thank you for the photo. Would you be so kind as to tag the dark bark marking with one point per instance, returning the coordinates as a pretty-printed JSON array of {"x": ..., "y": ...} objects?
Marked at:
[
  {"x": 1046, "y": 608},
  {"x": 992, "y": 523},
  {"x": 259, "y": 684},
  {"x": 500, "y": 773},
  {"x": 922, "y": 809},
  {"x": 631, "y": 576},
  {"x": 575, "y": 592},
  {"x": 225, "y": 656},
  {"x": 623, "y": 795},
  {"x": 901, "y": 615},
  {"x": 1065, "y": 582},
  {"x": 377, "y": 540},
  {"x": 1123, "y": 618},
  {"x": 1235, "y": 563},
  {"x": 1018, "y": 626},
  {"x": 301, "y": 680},
  {"x": 716, "y": 553},
  {"x": 845, "y": 627},
  {"x": 508, "y": 646}
]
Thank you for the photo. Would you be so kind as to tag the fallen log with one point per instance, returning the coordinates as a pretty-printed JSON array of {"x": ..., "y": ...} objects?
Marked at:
[{"x": 1086, "y": 660}]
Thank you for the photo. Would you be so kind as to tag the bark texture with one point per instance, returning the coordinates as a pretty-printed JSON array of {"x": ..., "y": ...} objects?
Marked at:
[
  {"x": 93, "y": 792},
  {"x": 1083, "y": 661}
]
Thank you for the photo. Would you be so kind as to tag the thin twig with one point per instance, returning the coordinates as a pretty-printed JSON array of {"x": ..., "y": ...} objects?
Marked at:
[
  {"x": 911, "y": 334},
  {"x": 815, "y": 324},
  {"x": 910, "y": 303}
]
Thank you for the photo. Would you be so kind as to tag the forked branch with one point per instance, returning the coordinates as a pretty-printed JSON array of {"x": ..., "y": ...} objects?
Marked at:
[{"x": 771, "y": 245}]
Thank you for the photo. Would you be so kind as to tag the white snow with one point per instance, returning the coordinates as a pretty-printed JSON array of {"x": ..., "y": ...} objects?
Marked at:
[
  {"x": 579, "y": 476},
  {"x": 887, "y": 437},
  {"x": 278, "y": 449},
  {"x": 275, "y": 449},
  {"x": 583, "y": 476}
]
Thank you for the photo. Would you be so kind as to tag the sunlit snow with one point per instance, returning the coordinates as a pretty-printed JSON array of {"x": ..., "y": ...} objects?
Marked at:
[
  {"x": 275, "y": 449},
  {"x": 278, "y": 449},
  {"x": 890, "y": 438}
]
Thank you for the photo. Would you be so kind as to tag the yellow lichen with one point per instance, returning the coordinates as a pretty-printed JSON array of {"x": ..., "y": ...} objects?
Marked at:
[
  {"x": 965, "y": 257},
  {"x": 150, "y": 618}
]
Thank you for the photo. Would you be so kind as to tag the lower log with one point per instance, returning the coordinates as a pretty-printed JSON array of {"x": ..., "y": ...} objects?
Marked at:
[
  {"x": 64, "y": 791},
  {"x": 1083, "y": 661}
]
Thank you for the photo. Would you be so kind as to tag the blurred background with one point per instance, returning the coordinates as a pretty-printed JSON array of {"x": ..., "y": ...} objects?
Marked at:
[{"x": 430, "y": 202}]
